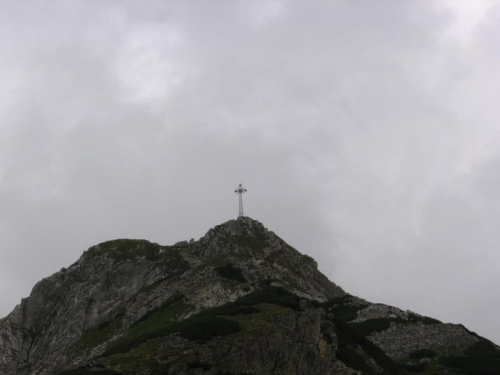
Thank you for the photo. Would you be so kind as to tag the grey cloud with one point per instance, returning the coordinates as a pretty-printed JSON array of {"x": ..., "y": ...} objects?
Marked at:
[{"x": 366, "y": 137}]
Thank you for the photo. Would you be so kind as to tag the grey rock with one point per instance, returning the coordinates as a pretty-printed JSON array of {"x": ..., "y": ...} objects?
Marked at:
[{"x": 75, "y": 317}]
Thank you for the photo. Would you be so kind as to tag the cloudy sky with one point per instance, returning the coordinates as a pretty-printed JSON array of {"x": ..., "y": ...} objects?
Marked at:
[{"x": 366, "y": 132}]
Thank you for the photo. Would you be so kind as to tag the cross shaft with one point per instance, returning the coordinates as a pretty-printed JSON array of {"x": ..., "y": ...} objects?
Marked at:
[{"x": 240, "y": 190}]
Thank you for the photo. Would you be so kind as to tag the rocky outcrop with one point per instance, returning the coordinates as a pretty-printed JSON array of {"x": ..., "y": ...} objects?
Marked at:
[
  {"x": 398, "y": 341},
  {"x": 378, "y": 311},
  {"x": 132, "y": 277},
  {"x": 239, "y": 300}
]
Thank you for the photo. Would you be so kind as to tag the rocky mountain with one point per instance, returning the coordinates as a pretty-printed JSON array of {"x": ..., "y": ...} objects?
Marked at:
[{"x": 237, "y": 301}]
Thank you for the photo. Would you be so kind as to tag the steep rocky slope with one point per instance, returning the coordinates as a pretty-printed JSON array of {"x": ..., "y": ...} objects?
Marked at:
[{"x": 237, "y": 301}]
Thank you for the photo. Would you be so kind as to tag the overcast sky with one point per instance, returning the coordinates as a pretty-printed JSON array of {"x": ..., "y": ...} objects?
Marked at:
[{"x": 366, "y": 132}]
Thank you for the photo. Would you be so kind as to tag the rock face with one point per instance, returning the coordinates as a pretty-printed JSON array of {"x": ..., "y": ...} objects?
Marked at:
[{"x": 237, "y": 301}]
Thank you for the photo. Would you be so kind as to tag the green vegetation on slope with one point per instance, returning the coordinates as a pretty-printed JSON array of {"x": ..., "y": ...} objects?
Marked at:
[
  {"x": 203, "y": 328},
  {"x": 350, "y": 340},
  {"x": 422, "y": 353},
  {"x": 199, "y": 327},
  {"x": 482, "y": 358},
  {"x": 127, "y": 249},
  {"x": 231, "y": 272},
  {"x": 344, "y": 308},
  {"x": 88, "y": 372},
  {"x": 370, "y": 326},
  {"x": 156, "y": 323},
  {"x": 99, "y": 334}
]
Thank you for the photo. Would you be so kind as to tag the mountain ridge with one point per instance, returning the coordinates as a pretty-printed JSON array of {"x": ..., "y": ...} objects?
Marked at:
[{"x": 238, "y": 300}]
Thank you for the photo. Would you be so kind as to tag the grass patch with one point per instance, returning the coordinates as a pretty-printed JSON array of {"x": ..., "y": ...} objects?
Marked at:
[
  {"x": 127, "y": 249},
  {"x": 344, "y": 308},
  {"x": 100, "y": 333},
  {"x": 247, "y": 304},
  {"x": 253, "y": 324},
  {"x": 158, "y": 315},
  {"x": 88, "y": 372},
  {"x": 422, "y": 319},
  {"x": 309, "y": 260},
  {"x": 154, "y": 324},
  {"x": 231, "y": 309},
  {"x": 369, "y": 326},
  {"x": 350, "y": 337},
  {"x": 423, "y": 353},
  {"x": 202, "y": 365},
  {"x": 481, "y": 358},
  {"x": 231, "y": 272},
  {"x": 204, "y": 328},
  {"x": 353, "y": 359},
  {"x": 418, "y": 367},
  {"x": 200, "y": 327}
]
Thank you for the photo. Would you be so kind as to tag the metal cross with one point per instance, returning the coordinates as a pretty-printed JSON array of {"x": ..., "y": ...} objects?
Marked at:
[{"x": 240, "y": 190}]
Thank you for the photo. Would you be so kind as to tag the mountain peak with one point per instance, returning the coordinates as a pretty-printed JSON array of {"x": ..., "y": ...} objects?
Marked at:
[
  {"x": 238, "y": 300},
  {"x": 243, "y": 226}
]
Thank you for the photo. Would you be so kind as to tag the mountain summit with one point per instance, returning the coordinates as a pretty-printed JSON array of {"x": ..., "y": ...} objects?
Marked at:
[{"x": 239, "y": 300}]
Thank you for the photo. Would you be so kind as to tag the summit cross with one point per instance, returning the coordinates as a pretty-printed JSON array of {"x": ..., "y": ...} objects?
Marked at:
[{"x": 240, "y": 190}]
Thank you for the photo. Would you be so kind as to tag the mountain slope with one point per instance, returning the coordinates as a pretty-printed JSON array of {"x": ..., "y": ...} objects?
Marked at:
[{"x": 237, "y": 301}]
